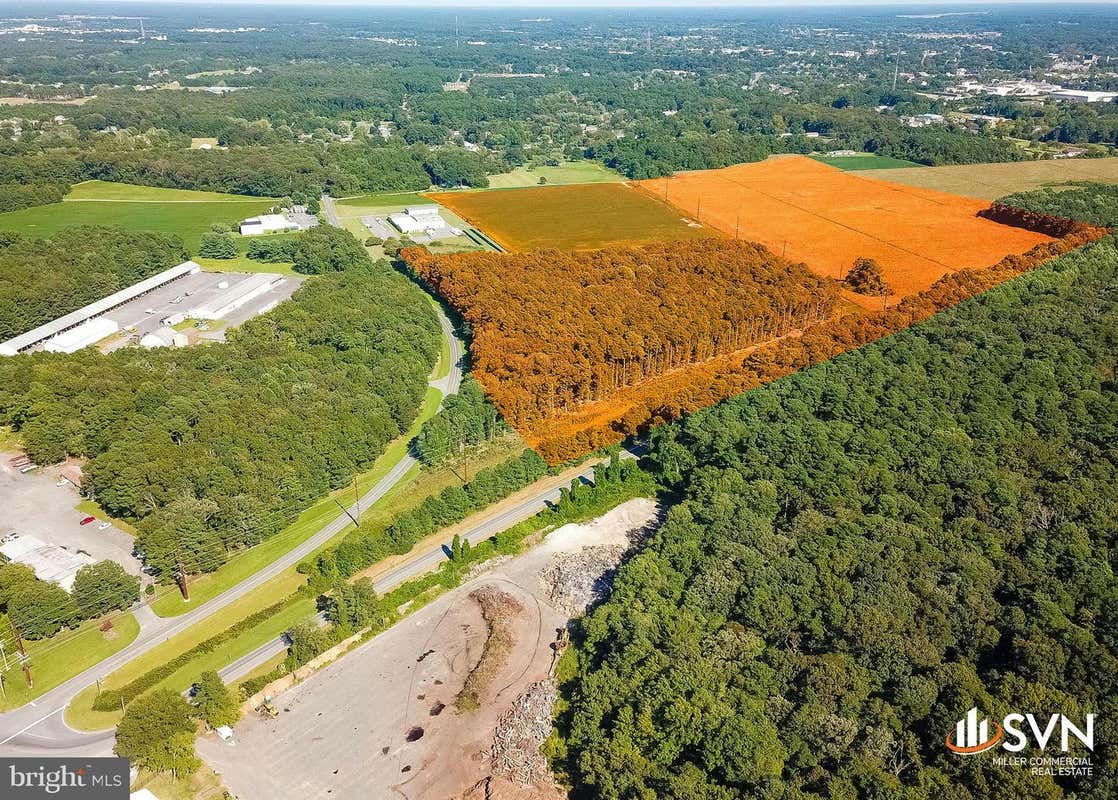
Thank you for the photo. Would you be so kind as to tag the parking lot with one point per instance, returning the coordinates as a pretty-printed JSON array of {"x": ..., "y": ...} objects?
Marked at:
[
  {"x": 146, "y": 314},
  {"x": 32, "y": 504}
]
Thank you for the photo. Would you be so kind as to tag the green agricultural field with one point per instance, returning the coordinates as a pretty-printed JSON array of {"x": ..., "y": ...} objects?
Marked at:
[
  {"x": 574, "y": 217},
  {"x": 565, "y": 173},
  {"x": 866, "y": 161},
  {"x": 143, "y": 208}
]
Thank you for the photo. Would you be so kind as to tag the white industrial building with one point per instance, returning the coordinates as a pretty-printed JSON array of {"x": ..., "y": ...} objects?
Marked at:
[
  {"x": 1084, "y": 96},
  {"x": 81, "y": 337},
  {"x": 164, "y": 337},
  {"x": 52, "y": 330},
  {"x": 240, "y": 294},
  {"x": 420, "y": 219},
  {"x": 49, "y": 561},
  {"x": 267, "y": 223}
]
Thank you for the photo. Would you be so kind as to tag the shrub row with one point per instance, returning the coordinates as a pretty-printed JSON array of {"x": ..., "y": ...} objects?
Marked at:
[
  {"x": 110, "y": 700},
  {"x": 368, "y": 545}
]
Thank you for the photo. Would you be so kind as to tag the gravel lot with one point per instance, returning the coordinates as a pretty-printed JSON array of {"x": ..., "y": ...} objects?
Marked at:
[{"x": 380, "y": 722}]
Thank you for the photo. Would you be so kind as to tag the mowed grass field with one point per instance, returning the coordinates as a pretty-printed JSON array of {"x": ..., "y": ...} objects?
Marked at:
[
  {"x": 576, "y": 217},
  {"x": 563, "y": 174},
  {"x": 866, "y": 161},
  {"x": 143, "y": 208},
  {"x": 827, "y": 218},
  {"x": 991, "y": 181}
]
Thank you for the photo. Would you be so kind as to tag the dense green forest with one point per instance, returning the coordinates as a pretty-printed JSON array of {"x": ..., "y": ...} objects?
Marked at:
[
  {"x": 214, "y": 448},
  {"x": 40, "y": 280},
  {"x": 863, "y": 551},
  {"x": 1096, "y": 203},
  {"x": 466, "y": 420}
]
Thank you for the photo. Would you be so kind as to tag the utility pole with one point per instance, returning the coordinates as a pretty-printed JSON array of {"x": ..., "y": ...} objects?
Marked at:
[
  {"x": 181, "y": 575},
  {"x": 347, "y": 512},
  {"x": 356, "y": 497},
  {"x": 22, "y": 654},
  {"x": 737, "y": 228}
]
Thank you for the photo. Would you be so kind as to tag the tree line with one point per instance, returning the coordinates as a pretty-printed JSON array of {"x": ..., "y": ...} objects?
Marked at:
[
  {"x": 208, "y": 450},
  {"x": 859, "y": 554},
  {"x": 466, "y": 420}
]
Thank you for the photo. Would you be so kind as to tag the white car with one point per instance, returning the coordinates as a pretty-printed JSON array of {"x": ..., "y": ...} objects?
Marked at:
[
  {"x": 62, "y": 482},
  {"x": 104, "y": 526}
]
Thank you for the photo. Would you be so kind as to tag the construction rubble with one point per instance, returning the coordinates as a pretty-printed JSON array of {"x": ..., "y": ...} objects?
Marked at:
[
  {"x": 520, "y": 733},
  {"x": 576, "y": 581}
]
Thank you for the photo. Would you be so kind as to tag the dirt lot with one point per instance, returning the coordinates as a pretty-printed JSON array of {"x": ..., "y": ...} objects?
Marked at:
[
  {"x": 32, "y": 504},
  {"x": 826, "y": 218},
  {"x": 381, "y": 722}
]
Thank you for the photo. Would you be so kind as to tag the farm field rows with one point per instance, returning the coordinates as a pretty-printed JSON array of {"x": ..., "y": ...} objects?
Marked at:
[
  {"x": 827, "y": 218},
  {"x": 991, "y": 181},
  {"x": 140, "y": 208},
  {"x": 576, "y": 217}
]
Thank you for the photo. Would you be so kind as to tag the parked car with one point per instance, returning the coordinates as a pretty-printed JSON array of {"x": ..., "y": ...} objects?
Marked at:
[
  {"x": 88, "y": 521},
  {"x": 104, "y": 526},
  {"x": 62, "y": 482}
]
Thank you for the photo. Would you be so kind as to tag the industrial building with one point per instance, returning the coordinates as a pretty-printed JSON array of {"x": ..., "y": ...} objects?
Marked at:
[
  {"x": 1084, "y": 96},
  {"x": 164, "y": 337},
  {"x": 420, "y": 219},
  {"x": 240, "y": 294},
  {"x": 90, "y": 334},
  {"x": 49, "y": 561},
  {"x": 84, "y": 335},
  {"x": 267, "y": 223}
]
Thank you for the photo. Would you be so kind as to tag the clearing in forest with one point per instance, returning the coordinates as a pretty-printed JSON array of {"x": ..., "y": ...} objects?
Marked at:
[
  {"x": 810, "y": 212},
  {"x": 137, "y": 208},
  {"x": 575, "y": 217}
]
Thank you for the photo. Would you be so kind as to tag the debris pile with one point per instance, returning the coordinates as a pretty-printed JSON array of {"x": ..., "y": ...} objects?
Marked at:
[
  {"x": 499, "y": 609},
  {"x": 520, "y": 733},
  {"x": 576, "y": 581}
]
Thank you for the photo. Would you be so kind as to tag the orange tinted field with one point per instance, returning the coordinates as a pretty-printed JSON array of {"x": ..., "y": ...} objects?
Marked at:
[
  {"x": 826, "y": 218},
  {"x": 576, "y": 217}
]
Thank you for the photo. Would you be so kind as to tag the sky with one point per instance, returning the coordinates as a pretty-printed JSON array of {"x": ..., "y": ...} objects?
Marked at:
[{"x": 545, "y": 4}]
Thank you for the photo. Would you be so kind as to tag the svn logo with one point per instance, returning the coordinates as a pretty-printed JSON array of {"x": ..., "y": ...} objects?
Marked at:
[{"x": 974, "y": 736}]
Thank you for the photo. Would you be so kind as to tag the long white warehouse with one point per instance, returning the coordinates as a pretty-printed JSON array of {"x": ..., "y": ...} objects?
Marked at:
[
  {"x": 25, "y": 341},
  {"x": 239, "y": 295}
]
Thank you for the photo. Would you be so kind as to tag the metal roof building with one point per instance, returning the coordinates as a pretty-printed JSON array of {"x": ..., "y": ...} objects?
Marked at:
[
  {"x": 238, "y": 295},
  {"x": 26, "y": 341}
]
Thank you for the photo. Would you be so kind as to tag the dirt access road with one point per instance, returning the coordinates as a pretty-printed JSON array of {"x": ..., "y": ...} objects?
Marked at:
[{"x": 344, "y": 733}]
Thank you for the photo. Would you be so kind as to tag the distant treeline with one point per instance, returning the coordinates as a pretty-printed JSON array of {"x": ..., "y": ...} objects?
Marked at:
[
  {"x": 275, "y": 171},
  {"x": 14, "y": 196}
]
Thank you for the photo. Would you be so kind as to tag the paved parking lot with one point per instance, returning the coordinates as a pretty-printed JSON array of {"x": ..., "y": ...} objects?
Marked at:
[
  {"x": 146, "y": 314},
  {"x": 32, "y": 504}
]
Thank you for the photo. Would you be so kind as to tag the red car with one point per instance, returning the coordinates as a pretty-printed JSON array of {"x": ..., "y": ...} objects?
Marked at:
[{"x": 88, "y": 520}]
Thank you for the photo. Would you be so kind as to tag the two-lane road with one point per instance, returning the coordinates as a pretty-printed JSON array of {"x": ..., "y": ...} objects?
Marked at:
[{"x": 39, "y": 728}]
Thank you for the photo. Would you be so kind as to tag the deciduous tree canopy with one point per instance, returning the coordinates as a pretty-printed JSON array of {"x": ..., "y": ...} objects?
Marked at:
[
  {"x": 864, "y": 551},
  {"x": 211, "y": 449}
]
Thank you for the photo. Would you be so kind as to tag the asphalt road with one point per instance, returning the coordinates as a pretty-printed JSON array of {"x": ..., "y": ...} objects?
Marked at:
[
  {"x": 38, "y": 728},
  {"x": 421, "y": 564}
]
